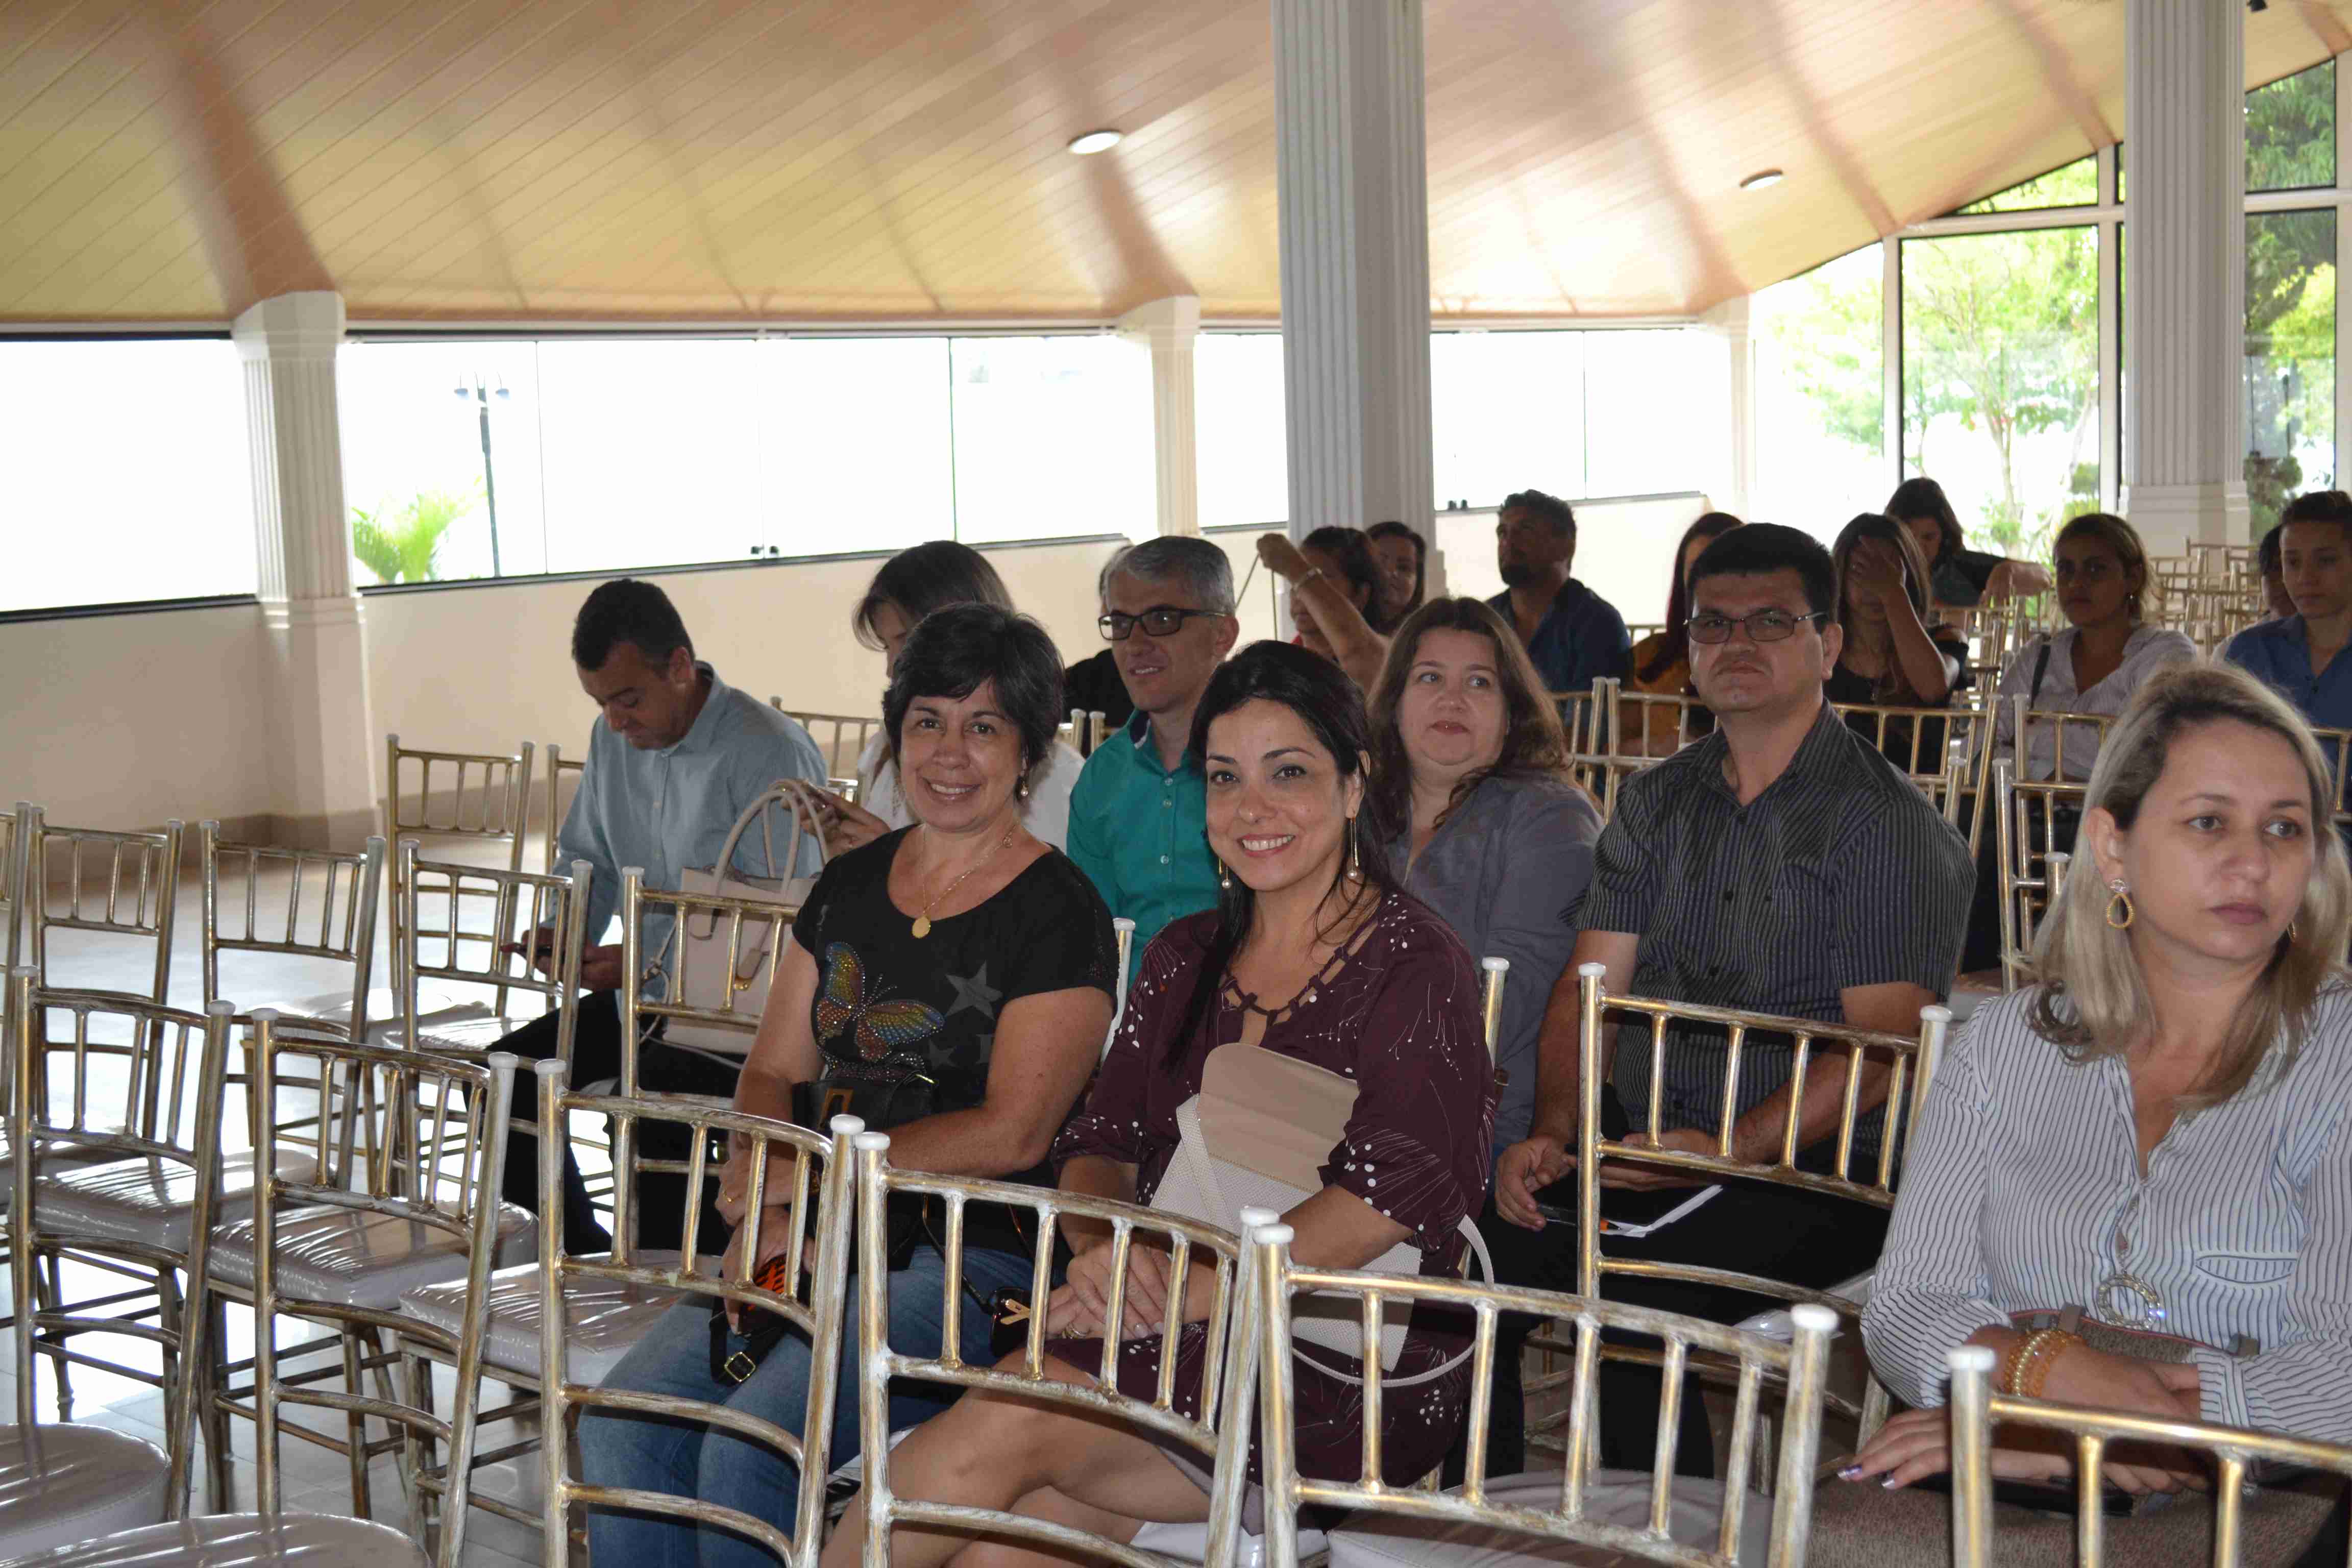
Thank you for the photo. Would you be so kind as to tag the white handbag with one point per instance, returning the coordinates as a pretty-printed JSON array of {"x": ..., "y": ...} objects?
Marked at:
[
  {"x": 700, "y": 943},
  {"x": 1257, "y": 1135}
]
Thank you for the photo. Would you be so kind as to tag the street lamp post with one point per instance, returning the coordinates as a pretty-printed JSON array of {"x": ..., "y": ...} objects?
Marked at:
[{"x": 480, "y": 396}]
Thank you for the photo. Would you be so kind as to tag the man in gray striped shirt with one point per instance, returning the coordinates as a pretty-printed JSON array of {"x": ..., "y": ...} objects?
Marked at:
[{"x": 1780, "y": 866}]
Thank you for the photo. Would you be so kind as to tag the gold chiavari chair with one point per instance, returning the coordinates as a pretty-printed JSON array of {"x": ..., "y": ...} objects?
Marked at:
[
  {"x": 121, "y": 887},
  {"x": 2071, "y": 739},
  {"x": 840, "y": 738},
  {"x": 1218, "y": 1433},
  {"x": 562, "y": 783},
  {"x": 481, "y": 911},
  {"x": 13, "y": 866},
  {"x": 567, "y": 1288},
  {"x": 2032, "y": 816},
  {"x": 1856, "y": 1174},
  {"x": 1648, "y": 725},
  {"x": 79, "y": 1482},
  {"x": 1659, "y": 1517},
  {"x": 1994, "y": 633},
  {"x": 2335, "y": 746},
  {"x": 304, "y": 908},
  {"x": 1977, "y": 1410},
  {"x": 417, "y": 1203},
  {"x": 1940, "y": 748},
  {"x": 481, "y": 798}
]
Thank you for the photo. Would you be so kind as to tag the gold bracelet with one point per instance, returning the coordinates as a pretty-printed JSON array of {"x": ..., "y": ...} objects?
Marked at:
[
  {"x": 2007, "y": 1382},
  {"x": 2035, "y": 1376}
]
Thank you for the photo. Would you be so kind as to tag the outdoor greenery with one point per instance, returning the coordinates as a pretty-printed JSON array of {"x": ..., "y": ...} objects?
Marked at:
[{"x": 403, "y": 543}]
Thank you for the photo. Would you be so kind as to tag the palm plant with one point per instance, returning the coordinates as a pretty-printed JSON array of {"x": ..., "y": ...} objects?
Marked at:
[{"x": 403, "y": 545}]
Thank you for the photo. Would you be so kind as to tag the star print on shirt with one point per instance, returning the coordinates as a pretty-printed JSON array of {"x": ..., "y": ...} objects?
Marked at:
[{"x": 975, "y": 993}]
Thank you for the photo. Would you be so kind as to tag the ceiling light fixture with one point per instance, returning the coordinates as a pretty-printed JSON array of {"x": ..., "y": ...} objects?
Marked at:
[
  {"x": 1097, "y": 141},
  {"x": 1762, "y": 180}
]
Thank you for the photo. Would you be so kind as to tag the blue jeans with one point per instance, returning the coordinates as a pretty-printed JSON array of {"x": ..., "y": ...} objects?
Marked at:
[{"x": 690, "y": 1459}]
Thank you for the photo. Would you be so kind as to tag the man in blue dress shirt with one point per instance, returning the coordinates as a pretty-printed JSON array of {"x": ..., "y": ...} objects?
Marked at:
[
  {"x": 1574, "y": 635},
  {"x": 2303, "y": 655}
]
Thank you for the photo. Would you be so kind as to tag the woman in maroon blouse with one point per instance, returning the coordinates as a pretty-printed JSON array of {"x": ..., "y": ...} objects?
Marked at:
[{"x": 1314, "y": 952}]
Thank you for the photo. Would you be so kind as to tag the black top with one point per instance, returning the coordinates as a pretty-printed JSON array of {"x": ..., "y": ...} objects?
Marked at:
[
  {"x": 1840, "y": 874},
  {"x": 1960, "y": 578},
  {"x": 888, "y": 1005},
  {"x": 1844, "y": 686}
]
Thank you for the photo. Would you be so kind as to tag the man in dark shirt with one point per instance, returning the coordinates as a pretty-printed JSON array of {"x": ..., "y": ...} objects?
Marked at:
[
  {"x": 1573, "y": 634},
  {"x": 1778, "y": 866}
]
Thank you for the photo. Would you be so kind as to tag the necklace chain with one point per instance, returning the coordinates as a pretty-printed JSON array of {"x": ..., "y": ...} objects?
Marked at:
[{"x": 923, "y": 917}]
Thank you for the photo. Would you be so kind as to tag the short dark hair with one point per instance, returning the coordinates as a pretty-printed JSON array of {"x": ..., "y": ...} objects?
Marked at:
[
  {"x": 952, "y": 650},
  {"x": 1922, "y": 497},
  {"x": 629, "y": 610},
  {"x": 1759, "y": 549},
  {"x": 1550, "y": 507},
  {"x": 1347, "y": 546},
  {"x": 926, "y": 578},
  {"x": 1392, "y": 529},
  {"x": 2319, "y": 506}
]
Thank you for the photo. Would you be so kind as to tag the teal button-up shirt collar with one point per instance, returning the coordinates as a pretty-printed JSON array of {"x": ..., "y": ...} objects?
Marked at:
[{"x": 1141, "y": 831}]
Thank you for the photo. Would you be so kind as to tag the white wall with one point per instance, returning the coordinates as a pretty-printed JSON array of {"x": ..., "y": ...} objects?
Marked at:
[{"x": 126, "y": 721}]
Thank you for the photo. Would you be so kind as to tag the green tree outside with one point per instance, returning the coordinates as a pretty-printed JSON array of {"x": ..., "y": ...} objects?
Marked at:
[{"x": 403, "y": 543}]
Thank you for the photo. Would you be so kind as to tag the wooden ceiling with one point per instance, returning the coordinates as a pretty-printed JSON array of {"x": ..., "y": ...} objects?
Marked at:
[{"x": 730, "y": 161}]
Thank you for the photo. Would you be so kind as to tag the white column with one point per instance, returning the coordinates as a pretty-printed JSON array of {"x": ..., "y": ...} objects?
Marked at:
[
  {"x": 2184, "y": 271},
  {"x": 322, "y": 733},
  {"x": 1730, "y": 321},
  {"x": 1354, "y": 192},
  {"x": 1168, "y": 327}
]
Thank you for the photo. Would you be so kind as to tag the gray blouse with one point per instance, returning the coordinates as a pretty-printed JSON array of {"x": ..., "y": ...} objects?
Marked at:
[
  {"x": 2024, "y": 1192},
  {"x": 1506, "y": 870}
]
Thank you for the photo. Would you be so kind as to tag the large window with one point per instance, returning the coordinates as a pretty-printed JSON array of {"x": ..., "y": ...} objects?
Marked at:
[
  {"x": 1507, "y": 412},
  {"x": 1238, "y": 429},
  {"x": 1821, "y": 439},
  {"x": 2291, "y": 131},
  {"x": 2001, "y": 378},
  {"x": 2289, "y": 383},
  {"x": 127, "y": 476},
  {"x": 1053, "y": 437}
]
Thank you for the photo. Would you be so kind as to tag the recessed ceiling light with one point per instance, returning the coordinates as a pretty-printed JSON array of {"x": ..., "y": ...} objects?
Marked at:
[
  {"x": 1762, "y": 180},
  {"x": 1097, "y": 141}
]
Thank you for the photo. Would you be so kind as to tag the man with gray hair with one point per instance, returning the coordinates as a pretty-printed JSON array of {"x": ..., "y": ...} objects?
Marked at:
[{"x": 1139, "y": 816}]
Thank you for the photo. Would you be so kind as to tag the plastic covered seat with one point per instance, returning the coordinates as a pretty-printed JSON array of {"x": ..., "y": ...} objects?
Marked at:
[
  {"x": 242, "y": 1541},
  {"x": 461, "y": 1032},
  {"x": 64, "y": 1484},
  {"x": 361, "y": 1259},
  {"x": 436, "y": 1004},
  {"x": 1612, "y": 1496},
  {"x": 601, "y": 1318},
  {"x": 150, "y": 1200},
  {"x": 1189, "y": 1543}
]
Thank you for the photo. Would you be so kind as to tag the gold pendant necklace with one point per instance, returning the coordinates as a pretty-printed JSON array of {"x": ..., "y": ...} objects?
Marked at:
[{"x": 923, "y": 918}]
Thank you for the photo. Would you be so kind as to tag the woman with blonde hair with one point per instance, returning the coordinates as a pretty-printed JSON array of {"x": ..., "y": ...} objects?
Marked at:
[{"x": 2155, "y": 1133}]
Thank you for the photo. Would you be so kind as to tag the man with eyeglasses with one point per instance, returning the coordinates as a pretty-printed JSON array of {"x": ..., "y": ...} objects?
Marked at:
[
  {"x": 1780, "y": 866},
  {"x": 1139, "y": 816}
]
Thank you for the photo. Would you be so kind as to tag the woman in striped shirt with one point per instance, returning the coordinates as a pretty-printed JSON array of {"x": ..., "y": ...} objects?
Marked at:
[{"x": 2157, "y": 1132}]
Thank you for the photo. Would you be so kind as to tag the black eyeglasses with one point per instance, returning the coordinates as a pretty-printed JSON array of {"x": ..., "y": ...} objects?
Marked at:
[
  {"x": 1764, "y": 625},
  {"x": 1159, "y": 621}
]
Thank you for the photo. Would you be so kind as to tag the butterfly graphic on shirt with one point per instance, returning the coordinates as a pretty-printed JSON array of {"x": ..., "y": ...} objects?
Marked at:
[{"x": 878, "y": 1027}]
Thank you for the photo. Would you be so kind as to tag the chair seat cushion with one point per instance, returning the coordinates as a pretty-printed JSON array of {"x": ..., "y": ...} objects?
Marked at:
[
  {"x": 601, "y": 1318},
  {"x": 150, "y": 1200},
  {"x": 242, "y": 1541},
  {"x": 1620, "y": 1497},
  {"x": 1189, "y": 1543},
  {"x": 471, "y": 1032},
  {"x": 64, "y": 1484},
  {"x": 434, "y": 1001},
  {"x": 330, "y": 1254}
]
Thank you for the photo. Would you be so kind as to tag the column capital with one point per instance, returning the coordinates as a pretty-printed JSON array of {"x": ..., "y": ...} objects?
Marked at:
[
  {"x": 291, "y": 326},
  {"x": 1731, "y": 316},
  {"x": 1171, "y": 322}
]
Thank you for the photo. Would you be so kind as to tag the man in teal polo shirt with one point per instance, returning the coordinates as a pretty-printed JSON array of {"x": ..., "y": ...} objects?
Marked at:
[{"x": 1139, "y": 816}]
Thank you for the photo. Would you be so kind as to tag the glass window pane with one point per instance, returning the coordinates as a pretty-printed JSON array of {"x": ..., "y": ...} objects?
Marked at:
[
  {"x": 2291, "y": 131},
  {"x": 1820, "y": 396},
  {"x": 1656, "y": 411},
  {"x": 2074, "y": 184},
  {"x": 1244, "y": 445},
  {"x": 2290, "y": 358},
  {"x": 1506, "y": 413},
  {"x": 412, "y": 459},
  {"x": 127, "y": 474},
  {"x": 2000, "y": 335},
  {"x": 1053, "y": 437},
  {"x": 859, "y": 441}
]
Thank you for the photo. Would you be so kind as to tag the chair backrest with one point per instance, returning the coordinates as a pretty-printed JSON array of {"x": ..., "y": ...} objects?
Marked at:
[
  {"x": 437, "y": 1162},
  {"x": 840, "y": 737},
  {"x": 118, "y": 884},
  {"x": 167, "y": 1109},
  {"x": 750, "y": 933},
  {"x": 2335, "y": 746},
  {"x": 1219, "y": 1433},
  {"x": 325, "y": 911},
  {"x": 1648, "y": 724},
  {"x": 1976, "y": 1409},
  {"x": 1799, "y": 1369},
  {"x": 455, "y": 923},
  {"x": 563, "y": 777},
  {"x": 2033, "y": 867},
  {"x": 482, "y": 795},
  {"x": 2071, "y": 740},
  {"x": 1940, "y": 748},
  {"x": 819, "y": 1315},
  {"x": 1908, "y": 1061},
  {"x": 11, "y": 884}
]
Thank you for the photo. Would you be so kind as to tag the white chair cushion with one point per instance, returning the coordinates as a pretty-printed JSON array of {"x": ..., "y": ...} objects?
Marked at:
[
  {"x": 1778, "y": 1325},
  {"x": 243, "y": 1540},
  {"x": 150, "y": 1200},
  {"x": 603, "y": 1318},
  {"x": 362, "y": 1259},
  {"x": 1189, "y": 1543},
  {"x": 64, "y": 1484},
  {"x": 1614, "y": 1497}
]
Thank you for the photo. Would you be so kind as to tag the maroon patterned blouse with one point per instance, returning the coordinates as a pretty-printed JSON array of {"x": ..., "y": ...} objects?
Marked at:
[{"x": 1400, "y": 1014}]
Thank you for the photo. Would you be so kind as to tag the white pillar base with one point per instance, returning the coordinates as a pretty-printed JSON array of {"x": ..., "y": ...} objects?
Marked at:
[
  {"x": 322, "y": 741},
  {"x": 2169, "y": 518}
]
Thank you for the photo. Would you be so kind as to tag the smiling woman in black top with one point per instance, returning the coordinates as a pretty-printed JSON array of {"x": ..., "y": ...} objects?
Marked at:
[{"x": 960, "y": 972}]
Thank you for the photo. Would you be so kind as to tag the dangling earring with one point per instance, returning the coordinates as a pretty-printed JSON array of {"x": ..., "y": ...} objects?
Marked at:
[
  {"x": 2123, "y": 897},
  {"x": 1354, "y": 855},
  {"x": 1224, "y": 876},
  {"x": 2289, "y": 933}
]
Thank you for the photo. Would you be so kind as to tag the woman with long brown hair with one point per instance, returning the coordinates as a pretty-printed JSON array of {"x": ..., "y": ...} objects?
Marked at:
[{"x": 1661, "y": 661}]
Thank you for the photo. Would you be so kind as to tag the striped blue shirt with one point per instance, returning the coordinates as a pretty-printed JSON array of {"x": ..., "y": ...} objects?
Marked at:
[{"x": 2027, "y": 1166}]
